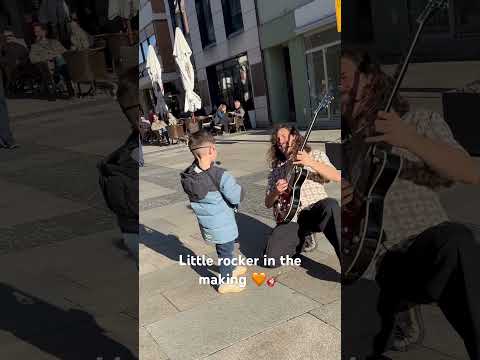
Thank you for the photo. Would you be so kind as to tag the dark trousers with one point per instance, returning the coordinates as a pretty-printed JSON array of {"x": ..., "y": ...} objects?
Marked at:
[
  {"x": 323, "y": 217},
  {"x": 6, "y": 137},
  {"x": 442, "y": 266},
  {"x": 47, "y": 80},
  {"x": 225, "y": 251}
]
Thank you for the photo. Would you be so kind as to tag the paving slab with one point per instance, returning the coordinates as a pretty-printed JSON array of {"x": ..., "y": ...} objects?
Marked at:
[
  {"x": 330, "y": 313},
  {"x": 154, "y": 308},
  {"x": 149, "y": 190},
  {"x": 228, "y": 319},
  {"x": 303, "y": 337},
  {"x": 15, "y": 212},
  {"x": 421, "y": 353},
  {"x": 148, "y": 348},
  {"x": 319, "y": 282},
  {"x": 440, "y": 335}
]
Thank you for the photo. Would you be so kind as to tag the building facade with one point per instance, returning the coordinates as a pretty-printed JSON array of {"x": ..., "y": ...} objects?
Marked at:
[
  {"x": 154, "y": 30},
  {"x": 228, "y": 60},
  {"x": 301, "y": 50},
  {"x": 447, "y": 55}
]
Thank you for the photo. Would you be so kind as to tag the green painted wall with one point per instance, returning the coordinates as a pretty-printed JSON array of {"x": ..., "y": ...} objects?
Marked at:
[
  {"x": 269, "y": 10},
  {"x": 277, "y": 84},
  {"x": 277, "y": 31},
  {"x": 296, "y": 48}
]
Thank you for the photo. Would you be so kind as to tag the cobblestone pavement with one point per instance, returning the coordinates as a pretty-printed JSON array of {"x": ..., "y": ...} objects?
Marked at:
[
  {"x": 59, "y": 256},
  {"x": 300, "y": 318},
  {"x": 180, "y": 319}
]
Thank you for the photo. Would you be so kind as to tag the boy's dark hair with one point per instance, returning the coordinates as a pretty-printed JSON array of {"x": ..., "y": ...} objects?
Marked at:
[{"x": 200, "y": 138}]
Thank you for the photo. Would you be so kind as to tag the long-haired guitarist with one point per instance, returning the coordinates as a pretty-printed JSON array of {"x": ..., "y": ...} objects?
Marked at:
[
  {"x": 425, "y": 257},
  {"x": 317, "y": 212}
]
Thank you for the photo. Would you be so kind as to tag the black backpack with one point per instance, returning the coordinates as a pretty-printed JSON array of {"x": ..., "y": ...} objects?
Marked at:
[{"x": 119, "y": 182}]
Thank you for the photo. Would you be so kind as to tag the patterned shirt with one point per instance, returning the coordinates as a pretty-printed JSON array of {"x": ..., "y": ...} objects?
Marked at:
[
  {"x": 312, "y": 190},
  {"x": 412, "y": 205}
]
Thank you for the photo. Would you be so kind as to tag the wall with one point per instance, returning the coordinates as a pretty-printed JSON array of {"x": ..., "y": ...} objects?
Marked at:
[
  {"x": 226, "y": 48},
  {"x": 277, "y": 84},
  {"x": 300, "y": 79},
  {"x": 267, "y": 12}
]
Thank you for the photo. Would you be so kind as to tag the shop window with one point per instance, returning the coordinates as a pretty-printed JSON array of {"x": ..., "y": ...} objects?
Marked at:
[{"x": 230, "y": 80}]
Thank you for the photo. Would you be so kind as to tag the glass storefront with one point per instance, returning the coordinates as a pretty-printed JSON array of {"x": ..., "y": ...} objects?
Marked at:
[
  {"x": 323, "y": 64},
  {"x": 230, "y": 80}
]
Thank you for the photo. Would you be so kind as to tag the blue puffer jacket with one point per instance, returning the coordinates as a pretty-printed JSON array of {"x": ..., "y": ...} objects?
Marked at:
[{"x": 215, "y": 217}]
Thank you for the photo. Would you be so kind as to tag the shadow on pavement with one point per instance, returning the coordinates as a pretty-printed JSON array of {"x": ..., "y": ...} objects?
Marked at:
[
  {"x": 66, "y": 334},
  {"x": 253, "y": 239},
  {"x": 320, "y": 271},
  {"x": 169, "y": 246}
]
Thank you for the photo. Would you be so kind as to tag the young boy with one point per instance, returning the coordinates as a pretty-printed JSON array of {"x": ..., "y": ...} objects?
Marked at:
[{"x": 213, "y": 193}]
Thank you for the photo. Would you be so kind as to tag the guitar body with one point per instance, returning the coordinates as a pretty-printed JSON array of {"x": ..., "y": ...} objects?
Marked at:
[
  {"x": 362, "y": 219},
  {"x": 287, "y": 205}
]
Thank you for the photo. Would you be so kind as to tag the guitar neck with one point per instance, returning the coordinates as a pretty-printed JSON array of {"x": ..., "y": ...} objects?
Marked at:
[
  {"x": 404, "y": 68},
  {"x": 309, "y": 130}
]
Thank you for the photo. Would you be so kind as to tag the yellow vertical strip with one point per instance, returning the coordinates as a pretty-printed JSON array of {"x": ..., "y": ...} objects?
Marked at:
[{"x": 338, "y": 6}]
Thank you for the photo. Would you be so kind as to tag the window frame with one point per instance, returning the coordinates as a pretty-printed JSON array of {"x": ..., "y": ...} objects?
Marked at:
[
  {"x": 203, "y": 23},
  {"x": 228, "y": 20}
]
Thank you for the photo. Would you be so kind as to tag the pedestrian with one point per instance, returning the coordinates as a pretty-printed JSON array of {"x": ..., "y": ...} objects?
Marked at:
[
  {"x": 6, "y": 138},
  {"x": 214, "y": 194}
]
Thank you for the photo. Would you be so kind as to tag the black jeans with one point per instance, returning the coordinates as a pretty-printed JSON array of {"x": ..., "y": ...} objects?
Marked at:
[
  {"x": 441, "y": 266},
  {"x": 324, "y": 216},
  {"x": 6, "y": 137}
]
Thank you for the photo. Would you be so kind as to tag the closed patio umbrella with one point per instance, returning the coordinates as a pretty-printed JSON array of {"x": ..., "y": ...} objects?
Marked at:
[
  {"x": 154, "y": 69},
  {"x": 182, "y": 54}
]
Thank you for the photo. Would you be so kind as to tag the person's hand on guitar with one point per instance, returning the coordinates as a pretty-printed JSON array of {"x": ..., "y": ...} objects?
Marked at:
[
  {"x": 347, "y": 192},
  {"x": 281, "y": 186},
  {"x": 393, "y": 130},
  {"x": 304, "y": 158}
]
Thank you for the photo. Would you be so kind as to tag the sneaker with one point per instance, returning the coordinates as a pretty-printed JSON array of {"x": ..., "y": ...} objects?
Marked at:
[
  {"x": 230, "y": 288},
  {"x": 310, "y": 243},
  {"x": 239, "y": 271},
  {"x": 409, "y": 330}
]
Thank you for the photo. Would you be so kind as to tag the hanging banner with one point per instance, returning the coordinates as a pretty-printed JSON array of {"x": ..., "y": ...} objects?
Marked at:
[{"x": 338, "y": 6}]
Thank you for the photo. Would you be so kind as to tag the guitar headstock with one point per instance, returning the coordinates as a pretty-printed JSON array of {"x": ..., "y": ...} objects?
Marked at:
[
  {"x": 325, "y": 102},
  {"x": 432, "y": 6}
]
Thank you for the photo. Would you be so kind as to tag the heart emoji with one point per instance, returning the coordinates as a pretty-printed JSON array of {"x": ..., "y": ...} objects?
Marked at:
[
  {"x": 259, "y": 278},
  {"x": 271, "y": 282}
]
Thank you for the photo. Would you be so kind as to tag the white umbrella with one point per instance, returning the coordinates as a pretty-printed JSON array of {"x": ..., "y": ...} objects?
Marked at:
[
  {"x": 182, "y": 54},
  {"x": 154, "y": 70}
]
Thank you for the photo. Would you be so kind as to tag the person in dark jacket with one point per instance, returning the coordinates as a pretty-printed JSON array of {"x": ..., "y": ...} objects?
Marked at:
[
  {"x": 213, "y": 194},
  {"x": 119, "y": 179},
  {"x": 6, "y": 138}
]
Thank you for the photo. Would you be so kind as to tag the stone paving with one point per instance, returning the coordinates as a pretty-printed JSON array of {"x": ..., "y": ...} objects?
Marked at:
[
  {"x": 299, "y": 318},
  {"x": 296, "y": 319},
  {"x": 60, "y": 265}
]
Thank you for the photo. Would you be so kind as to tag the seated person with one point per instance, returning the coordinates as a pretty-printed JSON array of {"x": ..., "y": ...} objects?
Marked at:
[
  {"x": 160, "y": 126},
  {"x": 238, "y": 112},
  {"x": 172, "y": 120},
  {"x": 79, "y": 38},
  {"x": 14, "y": 53},
  {"x": 220, "y": 120},
  {"x": 46, "y": 55}
]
